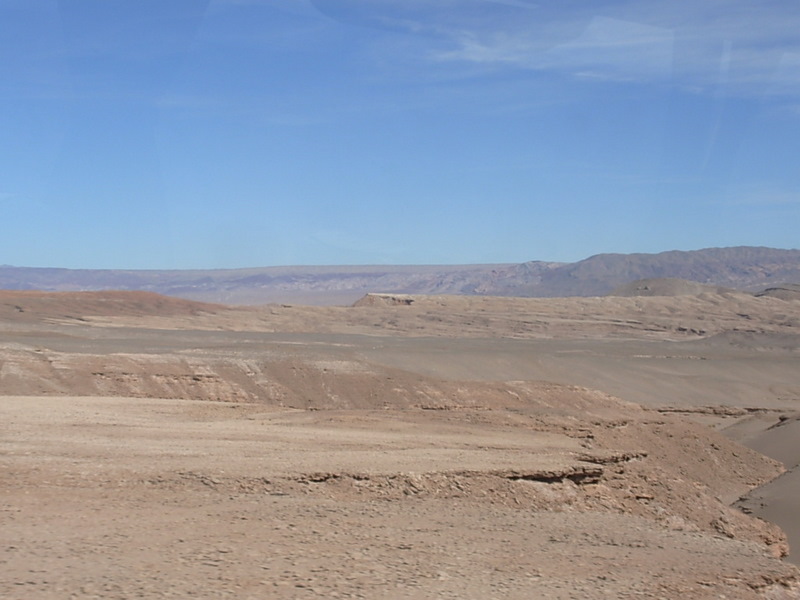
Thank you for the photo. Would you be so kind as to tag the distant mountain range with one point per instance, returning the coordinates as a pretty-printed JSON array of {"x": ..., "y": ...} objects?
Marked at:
[{"x": 743, "y": 268}]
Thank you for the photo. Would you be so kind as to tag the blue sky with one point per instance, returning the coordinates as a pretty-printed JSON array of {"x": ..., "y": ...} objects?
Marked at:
[{"x": 233, "y": 133}]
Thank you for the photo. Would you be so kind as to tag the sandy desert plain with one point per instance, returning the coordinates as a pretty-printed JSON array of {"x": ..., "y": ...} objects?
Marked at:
[{"x": 403, "y": 447}]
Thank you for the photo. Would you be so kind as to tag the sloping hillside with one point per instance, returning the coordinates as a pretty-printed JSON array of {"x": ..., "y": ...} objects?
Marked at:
[{"x": 743, "y": 268}]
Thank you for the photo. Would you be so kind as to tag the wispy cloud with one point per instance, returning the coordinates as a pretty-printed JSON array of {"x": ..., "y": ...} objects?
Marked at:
[
  {"x": 748, "y": 46},
  {"x": 745, "y": 45},
  {"x": 606, "y": 49}
]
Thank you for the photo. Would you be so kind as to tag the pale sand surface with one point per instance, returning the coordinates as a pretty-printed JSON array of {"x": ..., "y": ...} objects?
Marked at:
[
  {"x": 122, "y": 498},
  {"x": 160, "y": 448}
]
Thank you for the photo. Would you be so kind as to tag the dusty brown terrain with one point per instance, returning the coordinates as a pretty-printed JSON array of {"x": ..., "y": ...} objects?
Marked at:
[{"x": 406, "y": 447}]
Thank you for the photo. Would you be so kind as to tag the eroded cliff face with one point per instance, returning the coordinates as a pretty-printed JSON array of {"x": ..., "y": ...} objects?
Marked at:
[{"x": 631, "y": 460}]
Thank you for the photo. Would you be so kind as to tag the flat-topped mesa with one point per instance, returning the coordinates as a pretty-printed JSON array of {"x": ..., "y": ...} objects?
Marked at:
[{"x": 381, "y": 299}]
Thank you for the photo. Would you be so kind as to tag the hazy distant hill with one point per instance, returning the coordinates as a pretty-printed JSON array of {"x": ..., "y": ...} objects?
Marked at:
[
  {"x": 302, "y": 284},
  {"x": 744, "y": 268}
]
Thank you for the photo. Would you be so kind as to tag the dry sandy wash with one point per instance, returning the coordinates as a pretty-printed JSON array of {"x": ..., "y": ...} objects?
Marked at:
[{"x": 405, "y": 447}]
